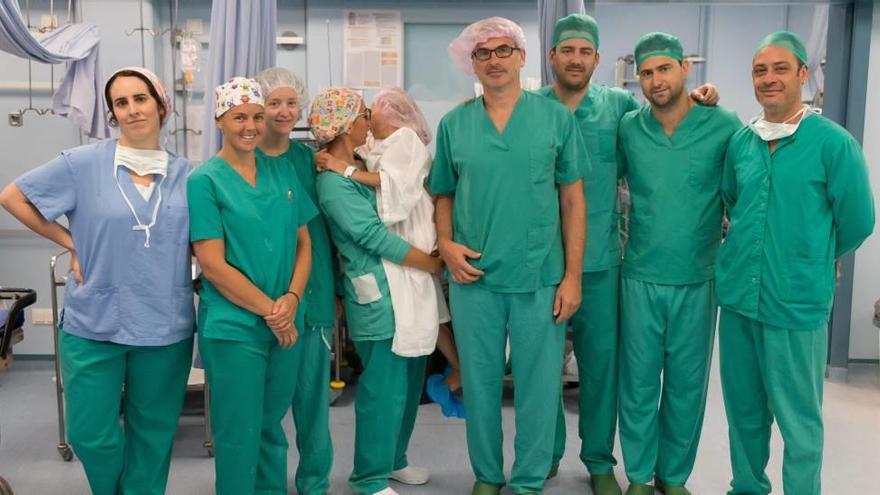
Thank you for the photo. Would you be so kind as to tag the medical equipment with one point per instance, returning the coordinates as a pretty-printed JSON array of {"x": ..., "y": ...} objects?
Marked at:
[
  {"x": 16, "y": 119},
  {"x": 11, "y": 333}
]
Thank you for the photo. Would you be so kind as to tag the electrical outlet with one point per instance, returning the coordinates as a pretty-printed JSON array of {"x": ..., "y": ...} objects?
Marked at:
[
  {"x": 15, "y": 119},
  {"x": 41, "y": 316}
]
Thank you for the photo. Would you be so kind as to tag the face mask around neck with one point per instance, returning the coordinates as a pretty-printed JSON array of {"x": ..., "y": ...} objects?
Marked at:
[{"x": 774, "y": 131}]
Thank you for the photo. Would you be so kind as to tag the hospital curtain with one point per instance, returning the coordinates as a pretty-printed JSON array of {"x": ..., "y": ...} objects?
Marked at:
[
  {"x": 80, "y": 97},
  {"x": 548, "y": 12},
  {"x": 242, "y": 43}
]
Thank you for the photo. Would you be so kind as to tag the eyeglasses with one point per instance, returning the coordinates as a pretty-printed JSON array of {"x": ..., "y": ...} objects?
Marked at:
[
  {"x": 367, "y": 114},
  {"x": 484, "y": 54}
]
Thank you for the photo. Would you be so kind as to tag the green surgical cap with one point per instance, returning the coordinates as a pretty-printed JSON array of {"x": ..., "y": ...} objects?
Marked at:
[
  {"x": 576, "y": 26},
  {"x": 654, "y": 44},
  {"x": 787, "y": 40}
]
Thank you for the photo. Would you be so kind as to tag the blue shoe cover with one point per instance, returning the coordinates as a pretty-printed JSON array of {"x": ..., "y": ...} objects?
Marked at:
[{"x": 439, "y": 392}]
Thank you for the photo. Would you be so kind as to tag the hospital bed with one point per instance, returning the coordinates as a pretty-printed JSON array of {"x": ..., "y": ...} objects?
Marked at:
[{"x": 11, "y": 332}]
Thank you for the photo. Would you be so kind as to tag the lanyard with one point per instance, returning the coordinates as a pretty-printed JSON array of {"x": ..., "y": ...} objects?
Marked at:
[{"x": 140, "y": 225}]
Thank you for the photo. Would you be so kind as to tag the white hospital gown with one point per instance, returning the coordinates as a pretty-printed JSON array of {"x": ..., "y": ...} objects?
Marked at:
[{"x": 406, "y": 208}]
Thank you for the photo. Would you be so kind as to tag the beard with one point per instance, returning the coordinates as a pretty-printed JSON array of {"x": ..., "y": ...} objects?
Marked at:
[
  {"x": 574, "y": 85},
  {"x": 674, "y": 98}
]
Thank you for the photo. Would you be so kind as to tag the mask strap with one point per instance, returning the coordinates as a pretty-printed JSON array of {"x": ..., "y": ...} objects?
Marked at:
[{"x": 140, "y": 225}]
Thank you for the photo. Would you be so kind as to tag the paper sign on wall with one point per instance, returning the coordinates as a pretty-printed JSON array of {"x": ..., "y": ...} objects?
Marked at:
[{"x": 373, "y": 55}]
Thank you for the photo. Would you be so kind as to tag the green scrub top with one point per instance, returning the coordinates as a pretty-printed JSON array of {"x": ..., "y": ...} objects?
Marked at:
[
  {"x": 792, "y": 214},
  {"x": 597, "y": 116},
  {"x": 674, "y": 182},
  {"x": 362, "y": 241},
  {"x": 506, "y": 188},
  {"x": 259, "y": 228},
  {"x": 320, "y": 308}
]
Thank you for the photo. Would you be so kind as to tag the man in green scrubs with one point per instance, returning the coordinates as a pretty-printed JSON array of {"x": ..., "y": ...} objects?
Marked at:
[
  {"x": 510, "y": 222},
  {"x": 798, "y": 196},
  {"x": 598, "y": 110},
  {"x": 672, "y": 154}
]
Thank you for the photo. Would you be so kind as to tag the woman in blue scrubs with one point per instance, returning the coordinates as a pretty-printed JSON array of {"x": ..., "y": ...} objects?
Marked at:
[{"x": 128, "y": 308}]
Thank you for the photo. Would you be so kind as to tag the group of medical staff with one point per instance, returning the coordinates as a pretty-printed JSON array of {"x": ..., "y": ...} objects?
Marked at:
[{"x": 517, "y": 180}]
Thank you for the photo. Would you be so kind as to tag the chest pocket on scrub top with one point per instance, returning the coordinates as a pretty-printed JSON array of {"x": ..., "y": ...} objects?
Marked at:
[
  {"x": 704, "y": 172},
  {"x": 542, "y": 162},
  {"x": 607, "y": 146}
]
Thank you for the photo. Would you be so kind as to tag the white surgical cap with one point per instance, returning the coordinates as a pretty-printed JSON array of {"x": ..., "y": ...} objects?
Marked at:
[
  {"x": 401, "y": 111},
  {"x": 277, "y": 77},
  {"x": 479, "y": 32}
]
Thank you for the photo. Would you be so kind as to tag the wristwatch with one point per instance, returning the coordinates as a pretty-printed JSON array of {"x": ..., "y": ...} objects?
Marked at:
[{"x": 349, "y": 171}]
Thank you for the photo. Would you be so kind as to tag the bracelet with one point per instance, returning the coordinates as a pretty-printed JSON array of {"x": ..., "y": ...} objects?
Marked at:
[{"x": 298, "y": 300}]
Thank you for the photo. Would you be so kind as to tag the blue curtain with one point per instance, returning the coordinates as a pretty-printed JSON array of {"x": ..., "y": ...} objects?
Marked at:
[
  {"x": 548, "y": 12},
  {"x": 242, "y": 44},
  {"x": 80, "y": 97}
]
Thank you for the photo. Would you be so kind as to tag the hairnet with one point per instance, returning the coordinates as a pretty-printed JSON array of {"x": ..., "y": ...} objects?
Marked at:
[
  {"x": 576, "y": 26},
  {"x": 658, "y": 44},
  {"x": 462, "y": 47},
  {"x": 787, "y": 40},
  {"x": 236, "y": 91},
  {"x": 400, "y": 110},
  {"x": 333, "y": 110},
  {"x": 278, "y": 77},
  {"x": 165, "y": 99}
]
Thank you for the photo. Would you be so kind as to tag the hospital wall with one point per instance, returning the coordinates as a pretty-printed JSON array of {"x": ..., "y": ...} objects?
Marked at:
[
  {"x": 724, "y": 34},
  {"x": 866, "y": 285}
]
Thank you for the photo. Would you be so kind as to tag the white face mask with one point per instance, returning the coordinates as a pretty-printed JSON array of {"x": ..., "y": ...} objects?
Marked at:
[
  {"x": 774, "y": 131},
  {"x": 142, "y": 162}
]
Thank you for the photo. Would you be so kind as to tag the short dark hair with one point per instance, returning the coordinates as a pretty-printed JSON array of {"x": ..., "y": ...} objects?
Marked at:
[{"x": 111, "y": 116}]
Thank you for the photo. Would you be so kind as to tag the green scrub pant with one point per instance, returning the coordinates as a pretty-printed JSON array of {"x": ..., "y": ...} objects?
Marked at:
[
  {"x": 133, "y": 460},
  {"x": 665, "y": 330},
  {"x": 311, "y": 412},
  {"x": 596, "y": 335},
  {"x": 252, "y": 386},
  {"x": 385, "y": 405},
  {"x": 769, "y": 372},
  {"x": 483, "y": 321}
]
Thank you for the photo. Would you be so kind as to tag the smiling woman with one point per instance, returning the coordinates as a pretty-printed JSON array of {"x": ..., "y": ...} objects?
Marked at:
[{"x": 248, "y": 228}]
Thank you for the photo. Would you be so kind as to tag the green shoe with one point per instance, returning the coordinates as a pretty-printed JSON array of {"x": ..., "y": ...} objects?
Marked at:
[
  {"x": 639, "y": 489},
  {"x": 481, "y": 488},
  {"x": 554, "y": 470},
  {"x": 670, "y": 489},
  {"x": 605, "y": 484}
]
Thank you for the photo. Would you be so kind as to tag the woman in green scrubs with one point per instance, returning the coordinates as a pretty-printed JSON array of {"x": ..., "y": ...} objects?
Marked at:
[
  {"x": 286, "y": 96},
  {"x": 390, "y": 386},
  {"x": 248, "y": 217}
]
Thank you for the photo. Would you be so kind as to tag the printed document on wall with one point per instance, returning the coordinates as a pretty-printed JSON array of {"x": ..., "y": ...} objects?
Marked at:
[{"x": 373, "y": 56}]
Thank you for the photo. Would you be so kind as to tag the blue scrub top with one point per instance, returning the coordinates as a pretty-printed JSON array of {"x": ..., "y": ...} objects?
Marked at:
[{"x": 131, "y": 294}]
